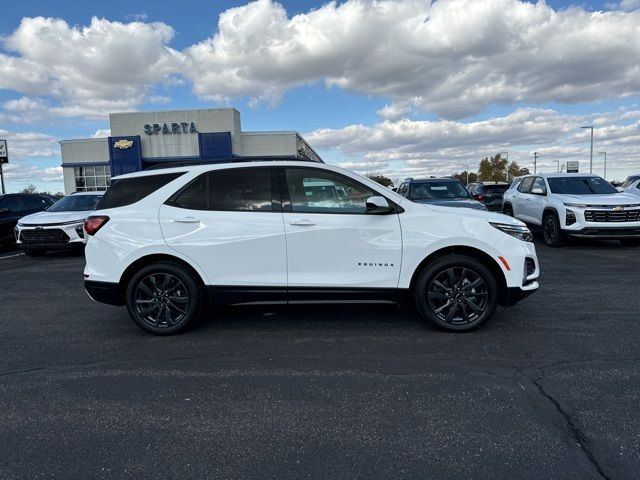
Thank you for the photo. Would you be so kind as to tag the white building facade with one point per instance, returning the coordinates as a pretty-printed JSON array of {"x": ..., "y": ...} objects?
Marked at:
[{"x": 142, "y": 140}]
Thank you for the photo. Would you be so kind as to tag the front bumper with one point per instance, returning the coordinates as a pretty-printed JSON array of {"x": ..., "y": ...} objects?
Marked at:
[
  {"x": 514, "y": 294},
  {"x": 50, "y": 236},
  {"x": 605, "y": 233}
]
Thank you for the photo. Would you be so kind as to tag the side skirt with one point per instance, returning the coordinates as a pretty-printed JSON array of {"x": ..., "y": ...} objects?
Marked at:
[{"x": 238, "y": 295}]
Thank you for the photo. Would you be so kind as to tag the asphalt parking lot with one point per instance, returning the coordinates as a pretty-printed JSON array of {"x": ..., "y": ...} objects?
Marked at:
[{"x": 548, "y": 389}]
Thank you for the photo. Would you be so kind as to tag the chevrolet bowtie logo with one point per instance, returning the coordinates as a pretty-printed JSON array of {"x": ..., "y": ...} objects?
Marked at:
[{"x": 123, "y": 144}]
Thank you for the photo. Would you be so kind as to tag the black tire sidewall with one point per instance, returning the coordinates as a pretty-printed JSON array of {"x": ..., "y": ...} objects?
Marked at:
[
  {"x": 441, "y": 264},
  {"x": 557, "y": 241},
  {"x": 186, "y": 277},
  {"x": 508, "y": 210}
]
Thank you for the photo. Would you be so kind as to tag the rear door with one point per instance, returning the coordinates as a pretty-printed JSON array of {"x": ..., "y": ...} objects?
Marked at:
[
  {"x": 519, "y": 199},
  {"x": 333, "y": 243},
  {"x": 535, "y": 202},
  {"x": 230, "y": 223}
]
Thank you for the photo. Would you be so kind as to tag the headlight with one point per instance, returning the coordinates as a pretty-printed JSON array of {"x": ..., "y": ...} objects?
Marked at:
[
  {"x": 579, "y": 205},
  {"x": 520, "y": 232}
]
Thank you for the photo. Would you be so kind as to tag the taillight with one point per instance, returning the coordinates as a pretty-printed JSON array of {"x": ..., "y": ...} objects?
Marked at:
[
  {"x": 480, "y": 197},
  {"x": 93, "y": 224}
]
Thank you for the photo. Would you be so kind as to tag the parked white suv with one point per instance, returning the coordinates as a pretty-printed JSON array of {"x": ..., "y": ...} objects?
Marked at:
[
  {"x": 168, "y": 243},
  {"x": 571, "y": 204},
  {"x": 59, "y": 227}
]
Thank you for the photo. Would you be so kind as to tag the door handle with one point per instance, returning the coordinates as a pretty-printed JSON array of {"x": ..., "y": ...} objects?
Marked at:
[
  {"x": 302, "y": 223},
  {"x": 186, "y": 220}
]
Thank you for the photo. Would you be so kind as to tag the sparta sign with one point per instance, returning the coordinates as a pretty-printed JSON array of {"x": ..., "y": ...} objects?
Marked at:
[{"x": 169, "y": 128}]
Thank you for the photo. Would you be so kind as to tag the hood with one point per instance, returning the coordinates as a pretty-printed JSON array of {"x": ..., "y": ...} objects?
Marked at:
[
  {"x": 611, "y": 199},
  {"x": 494, "y": 217},
  {"x": 453, "y": 202},
  {"x": 48, "y": 218}
]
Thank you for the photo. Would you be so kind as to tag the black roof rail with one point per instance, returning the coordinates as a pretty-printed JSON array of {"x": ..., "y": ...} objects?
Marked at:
[{"x": 263, "y": 158}]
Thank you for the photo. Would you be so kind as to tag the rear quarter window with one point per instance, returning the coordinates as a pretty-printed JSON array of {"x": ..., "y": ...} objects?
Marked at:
[{"x": 127, "y": 191}]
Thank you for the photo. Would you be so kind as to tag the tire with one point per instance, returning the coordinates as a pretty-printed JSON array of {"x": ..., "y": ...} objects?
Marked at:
[
  {"x": 164, "y": 308},
  {"x": 472, "y": 306},
  {"x": 630, "y": 242},
  {"x": 34, "y": 253},
  {"x": 507, "y": 210},
  {"x": 551, "y": 231}
]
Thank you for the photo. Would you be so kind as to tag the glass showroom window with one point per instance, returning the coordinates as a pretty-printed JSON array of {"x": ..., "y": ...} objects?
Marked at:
[{"x": 92, "y": 178}]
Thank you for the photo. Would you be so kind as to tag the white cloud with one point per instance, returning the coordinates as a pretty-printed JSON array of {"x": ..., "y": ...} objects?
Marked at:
[
  {"x": 452, "y": 58},
  {"x": 90, "y": 71},
  {"x": 24, "y": 145},
  {"x": 405, "y": 147},
  {"x": 102, "y": 132}
]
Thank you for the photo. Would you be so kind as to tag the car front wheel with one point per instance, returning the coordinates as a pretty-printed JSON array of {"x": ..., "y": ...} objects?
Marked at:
[
  {"x": 163, "y": 298},
  {"x": 507, "y": 210},
  {"x": 551, "y": 231},
  {"x": 456, "y": 293}
]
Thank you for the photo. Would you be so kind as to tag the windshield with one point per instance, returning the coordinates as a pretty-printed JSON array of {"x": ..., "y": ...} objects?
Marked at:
[
  {"x": 437, "y": 190},
  {"x": 581, "y": 186},
  {"x": 76, "y": 203},
  {"x": 629, "y": 182}
]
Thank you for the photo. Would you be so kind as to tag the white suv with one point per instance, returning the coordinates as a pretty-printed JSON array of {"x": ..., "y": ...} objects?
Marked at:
[
  {"x": 169, "y": 243},
  {"x": 571, "y": 204}
]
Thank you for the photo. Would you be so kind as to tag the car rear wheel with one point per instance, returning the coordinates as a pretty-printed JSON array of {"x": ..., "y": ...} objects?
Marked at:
[
  {"x": 456, "y": 293},
  {"x": 551, "y": 232},
  {"x": 163, "y": 298}
]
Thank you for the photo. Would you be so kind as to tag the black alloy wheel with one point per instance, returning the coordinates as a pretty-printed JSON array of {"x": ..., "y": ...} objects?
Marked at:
[
  {"x": 457, "y": 293},
  {"x": 163, "y": 298},
  {"x": 551, "y": 231},
  {"x": 507, "y": 210}
]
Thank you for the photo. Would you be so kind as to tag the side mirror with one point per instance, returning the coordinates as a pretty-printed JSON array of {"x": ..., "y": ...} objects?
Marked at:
[
  {"x": 378, "y": 205},
  {"x": 537, "y": 191},
  {"x": 4, "y": 210},
  {"x": 394, "y": 189}
]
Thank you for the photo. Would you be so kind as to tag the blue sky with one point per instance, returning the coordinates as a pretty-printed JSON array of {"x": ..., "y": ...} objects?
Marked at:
[{"x": 478, "y": 77}]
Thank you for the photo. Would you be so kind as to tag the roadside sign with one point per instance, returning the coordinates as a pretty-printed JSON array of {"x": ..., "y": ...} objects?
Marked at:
[
  {"x": 4, "y": 158},
  {"x": 573, "y": 167}
]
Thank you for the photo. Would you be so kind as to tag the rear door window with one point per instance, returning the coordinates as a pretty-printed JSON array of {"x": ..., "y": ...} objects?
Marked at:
[
  {"x": 13, "y": 203},
  {"x": 233, "y": 190},
  {"x": 127, "y": 191}
]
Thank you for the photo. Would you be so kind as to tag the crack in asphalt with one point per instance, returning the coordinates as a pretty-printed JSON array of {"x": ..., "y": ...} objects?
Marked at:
[{"x": 571, "y": 424}]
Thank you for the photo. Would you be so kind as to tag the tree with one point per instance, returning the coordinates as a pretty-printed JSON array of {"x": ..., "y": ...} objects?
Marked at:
[
  {"x": 30, "y": 189},
  {"x": 492, "y": 169},
  {"x": 516, "y": 171},
  {"x": 462, "y": 176},
  {"x": 382, "y": 180}
]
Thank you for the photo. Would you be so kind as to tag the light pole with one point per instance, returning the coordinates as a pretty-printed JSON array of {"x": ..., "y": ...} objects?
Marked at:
[
  {"x": 535, "y": 161},
  {"x": 605, "y": 163},
  {"x": 506, "y": 168},
  {"x": 558, "y": 168},
  {"x": 591, "y": 151},
  {"x": 467, "y": 174}
]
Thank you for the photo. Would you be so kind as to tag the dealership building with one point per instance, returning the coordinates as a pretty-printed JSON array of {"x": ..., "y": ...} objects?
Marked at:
[{"x": 141, "y": 140}]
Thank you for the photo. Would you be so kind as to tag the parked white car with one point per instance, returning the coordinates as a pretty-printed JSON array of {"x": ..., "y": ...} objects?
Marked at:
[
  {"x": 168, "y": 243},
  {"x": 571, "y": 204},
  {"x": 58, "y": 227},
  {"x": 631, "y": 185}
]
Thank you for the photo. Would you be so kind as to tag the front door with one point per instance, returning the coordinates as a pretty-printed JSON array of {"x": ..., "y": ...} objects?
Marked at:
[
  {"x": 331, "y": 241},
  {"x": 229, "y": 223}
]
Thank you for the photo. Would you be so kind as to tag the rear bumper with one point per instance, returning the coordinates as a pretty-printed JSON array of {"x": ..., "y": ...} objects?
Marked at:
[
  {"x": 514, "y": 294},
  {"x": 104, "y": 292}
]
